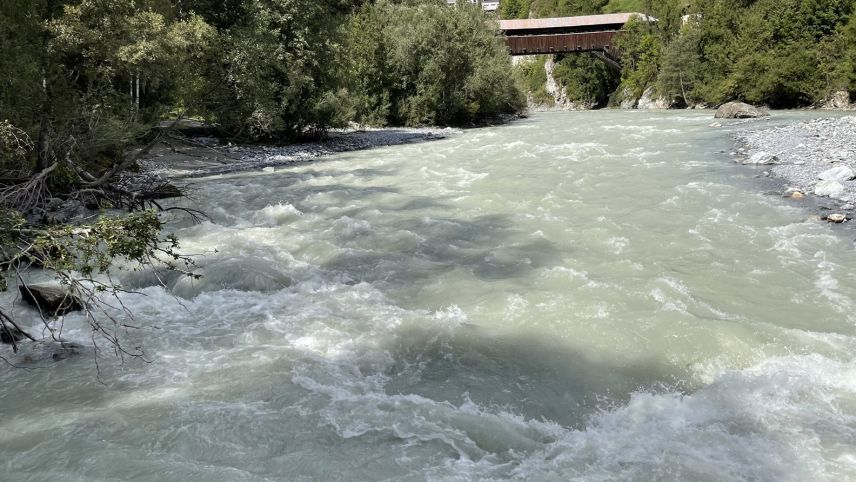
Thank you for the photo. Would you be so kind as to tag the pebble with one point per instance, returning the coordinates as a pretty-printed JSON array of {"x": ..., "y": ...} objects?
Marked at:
[{"x": 809, "y": 150}]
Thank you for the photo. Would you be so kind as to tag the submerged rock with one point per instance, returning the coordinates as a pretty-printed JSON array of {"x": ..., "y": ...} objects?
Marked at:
[
  {"x": 739, "y": 110},
  {"x": 836, "y": 218},
  {"x": 51, "y": 300},
  {"x": 838, "y": 173},
  {"x": 9, "y": 334},
  {"x": 794, "y": 193}
]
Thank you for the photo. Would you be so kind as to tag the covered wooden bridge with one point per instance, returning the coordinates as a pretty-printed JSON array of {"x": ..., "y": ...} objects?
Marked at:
[{"x": 590, "y": 33}]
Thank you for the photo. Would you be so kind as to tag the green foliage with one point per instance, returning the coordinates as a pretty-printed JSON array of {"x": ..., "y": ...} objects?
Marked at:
[
  {"x": 619, "y": 6},
  {"x": 427, "y": 64},
  {"x": 15, "y": 148},
  {"x": 781, "y": 53},
  {"x": 133, "y": 239},
  {"x": 532, "y": 78},
  {"x": 680, "y": 68},
  {"x": 585, "y": 78},
  {"x": 640, "y": 49},
  {"x": 514, "y": 8},
  {"x": 564, "y": 8}
]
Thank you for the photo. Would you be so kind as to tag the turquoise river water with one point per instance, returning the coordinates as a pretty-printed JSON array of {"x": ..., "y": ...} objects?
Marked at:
[{"x": 588, "y": 296}]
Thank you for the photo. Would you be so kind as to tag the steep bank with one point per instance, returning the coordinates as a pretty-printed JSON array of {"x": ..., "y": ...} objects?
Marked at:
[{"x": 812, "y": 157}]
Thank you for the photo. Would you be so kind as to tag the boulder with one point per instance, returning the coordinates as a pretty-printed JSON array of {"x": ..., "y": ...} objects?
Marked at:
[
  {"x": 761, "y": 158},
  {"x": 836, "y": 218},
  {"x": 829, "y": 188},
  {"x": 51, "y": 300},
  {"x": 739, "y": 110},
  {"x": 838, "y": 173}
]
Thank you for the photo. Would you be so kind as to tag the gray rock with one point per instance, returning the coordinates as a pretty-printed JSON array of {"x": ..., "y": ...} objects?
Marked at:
[
  {"x": 51, "y": 300},
  {"x": 739, "y": 110},
  {"x": 761, "y": 158},
  {"x": 59, "y": 211},
  {"x": 839, "y": 173},
  {"x": 829, "y": 188},
  {"x": 836, "y": 218}
]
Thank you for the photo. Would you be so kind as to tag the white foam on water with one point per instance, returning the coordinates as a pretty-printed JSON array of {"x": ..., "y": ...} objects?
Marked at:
[{"x": 599, "y": 314}]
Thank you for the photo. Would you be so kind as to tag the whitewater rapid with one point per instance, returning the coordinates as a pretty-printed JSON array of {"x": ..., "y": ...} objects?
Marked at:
[{"x": 588, "y": 296}]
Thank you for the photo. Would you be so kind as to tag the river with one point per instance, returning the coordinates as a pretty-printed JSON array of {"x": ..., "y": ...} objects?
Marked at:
[{"x": 575, "y": 296}]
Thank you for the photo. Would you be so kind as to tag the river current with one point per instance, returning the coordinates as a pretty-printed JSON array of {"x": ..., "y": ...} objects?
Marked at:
[{"x": 576, "y": 296}]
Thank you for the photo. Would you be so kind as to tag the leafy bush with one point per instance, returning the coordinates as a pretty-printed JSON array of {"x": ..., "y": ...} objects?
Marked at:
[{"x": 427, "y": 64}]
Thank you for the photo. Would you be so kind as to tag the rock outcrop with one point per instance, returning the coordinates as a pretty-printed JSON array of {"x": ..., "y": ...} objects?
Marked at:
[
  {"x": 838, "y": 101},
  {"x": 739, "y": 110},
  {"x": 650, "y": 100},
  {"x": 51, "y": 300},
  {"x": 559, "y": 94},
  {"x": 628, "y": 100}
]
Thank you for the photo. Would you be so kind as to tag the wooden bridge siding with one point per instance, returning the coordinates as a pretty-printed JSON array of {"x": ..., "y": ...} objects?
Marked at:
[{"x": 560, "y": 43}]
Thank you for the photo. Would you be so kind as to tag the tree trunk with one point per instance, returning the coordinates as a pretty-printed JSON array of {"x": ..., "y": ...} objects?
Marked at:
[{"x": 44, "y": 143}]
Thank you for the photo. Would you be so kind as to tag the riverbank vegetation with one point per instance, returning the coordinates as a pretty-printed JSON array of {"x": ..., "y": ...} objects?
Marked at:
[
  {"x": 88, "y": 87},
  {"x": 781, "y": 53}
]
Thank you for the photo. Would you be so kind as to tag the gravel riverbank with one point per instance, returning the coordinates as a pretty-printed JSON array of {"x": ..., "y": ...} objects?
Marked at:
[
  {"x": 178, "y": 160},
  {"x": 813, "y": 157}
]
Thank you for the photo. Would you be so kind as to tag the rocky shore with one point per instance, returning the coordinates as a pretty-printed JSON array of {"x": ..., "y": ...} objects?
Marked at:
[
  {"x": 206, "y": 156},
  {"x": 815, "y": 157}
]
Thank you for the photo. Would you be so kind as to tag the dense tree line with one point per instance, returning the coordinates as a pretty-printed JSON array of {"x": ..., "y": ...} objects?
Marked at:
[{"x": 782, "y": 53}]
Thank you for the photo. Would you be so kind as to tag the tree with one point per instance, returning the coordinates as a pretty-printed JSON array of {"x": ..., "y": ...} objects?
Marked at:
[
  {"x": 427, "y": 64},
  {"x": 680, "y": 67}
]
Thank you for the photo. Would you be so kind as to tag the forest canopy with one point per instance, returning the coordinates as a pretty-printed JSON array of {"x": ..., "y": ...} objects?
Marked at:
[{"x": 781, "y": 53}]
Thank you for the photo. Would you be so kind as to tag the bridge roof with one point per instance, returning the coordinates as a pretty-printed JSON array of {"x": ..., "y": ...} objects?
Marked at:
[{"x": 568, "y": 22}]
